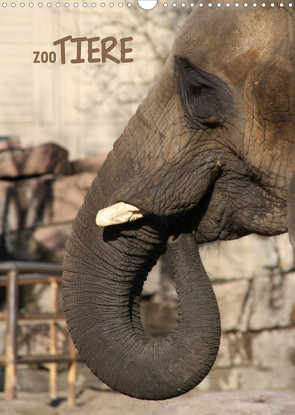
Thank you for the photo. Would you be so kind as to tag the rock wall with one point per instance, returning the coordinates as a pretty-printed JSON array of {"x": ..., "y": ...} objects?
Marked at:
[
  {"x": 40, "y": 194},
  {"x": 254, "y": 281}
]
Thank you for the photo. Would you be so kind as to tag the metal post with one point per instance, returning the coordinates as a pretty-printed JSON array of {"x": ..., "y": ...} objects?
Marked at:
[
  {"x": 10, "y": 353},
  {"x": 72, "y": 374},
  {"x": 53, "y": 340}
]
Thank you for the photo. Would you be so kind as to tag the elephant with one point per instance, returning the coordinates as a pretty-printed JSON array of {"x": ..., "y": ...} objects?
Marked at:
[{"x": 209, "y": 155}]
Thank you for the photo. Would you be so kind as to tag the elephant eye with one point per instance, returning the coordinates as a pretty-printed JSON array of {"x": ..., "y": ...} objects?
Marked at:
[{"x": 206, "y": 99}]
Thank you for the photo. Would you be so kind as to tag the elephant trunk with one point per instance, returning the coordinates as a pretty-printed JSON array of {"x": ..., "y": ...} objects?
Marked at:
[{"x": 104, "y": 271}]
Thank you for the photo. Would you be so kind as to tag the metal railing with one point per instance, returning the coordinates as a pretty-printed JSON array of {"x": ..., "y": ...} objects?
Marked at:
[{"x": 12, "y": 275}]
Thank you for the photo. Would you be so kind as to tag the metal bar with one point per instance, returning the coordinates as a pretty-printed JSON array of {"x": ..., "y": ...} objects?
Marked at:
[
  {"x": 11, "y": 360},
  {"x": 72, "y": 373},
  {"x": 53, "y": 341},
  {"x": 46, "y": 359},
  {"x": 45, "y": 316},
  {"x": 33, "y": 267},
  {"x": 31, "y": 279},
  {"x": 32, "y": 318}
]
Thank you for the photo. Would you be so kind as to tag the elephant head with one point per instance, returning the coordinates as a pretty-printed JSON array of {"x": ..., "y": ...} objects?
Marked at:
[{"x": 208, "y": 156}]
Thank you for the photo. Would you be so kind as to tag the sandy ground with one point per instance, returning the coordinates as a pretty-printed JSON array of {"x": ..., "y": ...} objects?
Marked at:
[
  {"x": 90, "y": 402},
  {"x": 94, "y": 402}
]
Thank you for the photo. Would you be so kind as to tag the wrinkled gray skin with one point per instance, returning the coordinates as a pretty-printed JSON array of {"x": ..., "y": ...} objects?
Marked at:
[{"x": 208, "y": 156}]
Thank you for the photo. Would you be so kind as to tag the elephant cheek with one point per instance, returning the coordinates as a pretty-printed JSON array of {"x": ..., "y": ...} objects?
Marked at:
[{"x": 291, "y": 210}]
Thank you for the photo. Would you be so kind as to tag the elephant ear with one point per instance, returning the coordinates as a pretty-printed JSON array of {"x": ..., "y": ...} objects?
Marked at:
[{"x": 291, "y": 210}]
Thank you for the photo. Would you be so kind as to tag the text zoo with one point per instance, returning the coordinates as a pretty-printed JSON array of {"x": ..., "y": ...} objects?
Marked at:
[{"x": 91, "y": 50}]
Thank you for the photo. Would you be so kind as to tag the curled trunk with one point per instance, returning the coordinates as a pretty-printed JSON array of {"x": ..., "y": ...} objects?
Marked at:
[{"x": 104, "y": 271}]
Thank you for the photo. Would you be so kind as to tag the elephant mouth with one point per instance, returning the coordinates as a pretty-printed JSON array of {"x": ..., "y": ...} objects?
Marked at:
[{"x": 122, "y": 212}]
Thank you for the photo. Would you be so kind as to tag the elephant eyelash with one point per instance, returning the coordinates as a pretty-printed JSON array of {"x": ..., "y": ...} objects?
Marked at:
[
  {"x": 205, "y": 99},
  {"x": 197, "y": 89},
  {"x": 195, "y": 76}
]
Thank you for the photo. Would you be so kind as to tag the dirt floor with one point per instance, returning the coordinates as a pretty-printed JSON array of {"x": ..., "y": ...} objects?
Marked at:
[
  {"x": 90, "y": 402},
  {"x": 95, "y": 398},
  {"x": 95, "y": 402}
]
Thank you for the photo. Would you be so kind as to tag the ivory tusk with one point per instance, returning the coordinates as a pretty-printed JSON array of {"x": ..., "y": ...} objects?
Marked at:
[{"x": 118, "y": 213}]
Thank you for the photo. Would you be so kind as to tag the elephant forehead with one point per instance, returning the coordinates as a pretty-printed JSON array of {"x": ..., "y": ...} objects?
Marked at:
[{"x": 228, "y": 42}]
